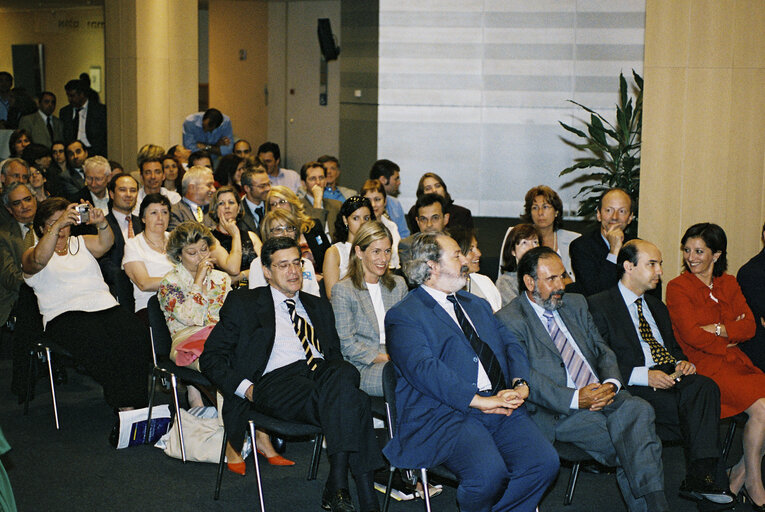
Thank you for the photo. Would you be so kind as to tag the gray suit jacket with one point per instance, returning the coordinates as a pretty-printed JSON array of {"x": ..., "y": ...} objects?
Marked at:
[
  {"x": 72, "y": 182},
  {"x": 11, "y": 249},
  {"x": 180, "y": 212},
  {"x": 550, "y": 397},
  {"x": 35, "y": 125}
]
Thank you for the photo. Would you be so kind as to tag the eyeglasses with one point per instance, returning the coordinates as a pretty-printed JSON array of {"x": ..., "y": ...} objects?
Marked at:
[
  {"x": 278, "y": 202},
  {"x": 285, "y": 265},
  {"x": 280, "y": 230}
]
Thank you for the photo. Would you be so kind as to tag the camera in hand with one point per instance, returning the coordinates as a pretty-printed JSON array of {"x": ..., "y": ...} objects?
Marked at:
[{"x": 83, "y": 213}]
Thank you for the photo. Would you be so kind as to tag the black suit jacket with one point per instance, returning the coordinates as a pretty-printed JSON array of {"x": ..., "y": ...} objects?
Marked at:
[
  {"x": 111, "y": 263},
  {"x": 95, "y": 127},
  {"x": 751, "y": 279},
  {"x": 614, "y": 323},
  {"x": 240, "y": 345},
  {"x": 459, "y": 218},
  {"x": 248, "y": 222}
]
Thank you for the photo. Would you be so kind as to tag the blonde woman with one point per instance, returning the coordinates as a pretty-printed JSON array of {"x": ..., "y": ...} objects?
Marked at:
[{"x": 312, "y": 239}]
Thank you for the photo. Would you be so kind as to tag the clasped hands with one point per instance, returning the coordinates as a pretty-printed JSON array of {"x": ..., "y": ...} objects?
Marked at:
[
  {"x": 658, "y": 379},
  {"x": 596, "y": 396},
  {"x": 504, "y": 402}
]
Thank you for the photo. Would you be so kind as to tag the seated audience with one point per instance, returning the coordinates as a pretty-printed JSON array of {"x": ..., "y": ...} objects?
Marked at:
[
  {"x": 431, "y": 183},
  {"x": 174, "y": 172},
  {"x": 198, "y": 189},
  {"x": 200, "y": 158},
  {"x": 152, "y": 174},
  {"x": 18, "y": 140},
  {"x": 710, "y": 318},
  {"x": 78, "y": 311},
  {"x": 37, "y": 181},
  {"x": 687, "y": 405},
  {"x": 430, "y": 219},
  {"x": 544, "y": 209},
  {"x": 58, "y": 150},
  {"x": 226, "y": 211},
  {"x": 360, "y": 301},
  {"x": 97, "y": 171},
  {"x": 181, "y": 154},
  {"x": 312, "y": 239},
  {"x": 477, "y": 284},
  {"x": 280, "y": 222},
  {"x": 576, "y": 388},
  {"x": 520, "y": 239},
  {"x": 313, "y": 180},
  {"x": 751, "y": 279},
  {"x": 389, "y": 174},
  {"x": 145, "y": 260},
  {"x": 256, "y": 187},
  {"x": 331, "y": 189},
  {"x": 229, "y": 172},
  {"x": 270, "y": 155},
  {"x": 242, "y": 148},
  {"x": 375, "y": 192},
  {"x": 292, "y": 344},
  {"x": 46, "y": 181},
  {"x": 355, "y": 211},
  {"x": 462, "y": 387}
]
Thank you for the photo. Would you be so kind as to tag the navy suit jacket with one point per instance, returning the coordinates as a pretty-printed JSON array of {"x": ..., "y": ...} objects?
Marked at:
[
  {"x": 95, "y": 127},
  {"x": 438, "y": 369}
]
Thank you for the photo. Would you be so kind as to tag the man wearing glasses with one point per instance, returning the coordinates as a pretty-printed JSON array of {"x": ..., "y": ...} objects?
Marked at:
[
  {"x": 276, "y": 350},
  {"x": 430, "y": 218}
]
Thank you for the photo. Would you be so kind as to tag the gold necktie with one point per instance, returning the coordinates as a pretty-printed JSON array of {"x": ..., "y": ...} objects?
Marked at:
[
  {"x": 131, "y": 233},
  {"x": 199, "y": 214},
  {"x": 659, "y": 353},
  {"x": 29, "y": 238}
]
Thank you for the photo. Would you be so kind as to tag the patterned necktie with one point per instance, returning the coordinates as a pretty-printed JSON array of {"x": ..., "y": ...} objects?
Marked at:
[
  {"x": 199, "y": 214},
  {"x": 50, "y": 129},
  {"x": 659, "y": 354},
  {"x": 579, "y": 371},
  {"x": 304, "y": 331},
  {"x": 29, "y": 238},
  {"x": 131, "y": 233},
  {"x": 482, "y": 350}
]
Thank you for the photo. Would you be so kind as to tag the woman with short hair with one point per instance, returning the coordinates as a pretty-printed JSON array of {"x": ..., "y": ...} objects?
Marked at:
[{"x": 431, "y": 183}]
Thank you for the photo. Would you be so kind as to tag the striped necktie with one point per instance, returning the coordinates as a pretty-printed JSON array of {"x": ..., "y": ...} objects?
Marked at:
[
  {"x": 659, "y": 353},
  {"x": 130, "y": 231},
  {"x": 304, "y": 331},
  {"x": 577, "y": 369}
]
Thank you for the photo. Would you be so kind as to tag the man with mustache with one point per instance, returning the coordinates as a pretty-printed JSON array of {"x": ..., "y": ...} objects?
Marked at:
[
  {"x": 687, "y": 405},
  {"x": 462, "y": 386},
  {"x": 577, "y": 393}
]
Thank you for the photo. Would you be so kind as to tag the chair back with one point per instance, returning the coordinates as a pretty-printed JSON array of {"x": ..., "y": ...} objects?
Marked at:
[
  {"x": 389, "y": 380},
  {"x": 160, "y": 334}
]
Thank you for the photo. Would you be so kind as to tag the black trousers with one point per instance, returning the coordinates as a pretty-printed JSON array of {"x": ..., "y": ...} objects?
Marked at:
[
  {"x": 689, "y": 411},
  {"x": 328, "y": 397},
  {"x": 113, "y": 346}
]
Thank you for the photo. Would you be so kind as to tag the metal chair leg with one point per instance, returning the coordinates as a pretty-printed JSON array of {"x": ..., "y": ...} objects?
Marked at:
[
  {"x": 314, "y": 467},
  {"x": 386, "y": 501},
  {"x": 52, "y": 386},
  {"x": 33, "y": 354},
  {"x": 569, "y": 496},
  {"x": 151, "y": 404},
  {"x": 221, "y": 462},
  {"x": 257, "y": 465},
  {"x": 174, "y": 383},
  {"x": 425, "y": 491}
]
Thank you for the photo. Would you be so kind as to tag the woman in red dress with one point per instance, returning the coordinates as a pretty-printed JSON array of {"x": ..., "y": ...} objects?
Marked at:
[{"x": 710, "y": 318}]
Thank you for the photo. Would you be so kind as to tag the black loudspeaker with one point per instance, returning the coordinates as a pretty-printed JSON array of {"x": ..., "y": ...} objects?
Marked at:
[{"x": 329, "y": 49}]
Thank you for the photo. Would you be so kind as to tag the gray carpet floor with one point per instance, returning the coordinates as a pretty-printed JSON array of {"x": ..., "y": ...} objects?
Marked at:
[{"x": 75, "y": 469}]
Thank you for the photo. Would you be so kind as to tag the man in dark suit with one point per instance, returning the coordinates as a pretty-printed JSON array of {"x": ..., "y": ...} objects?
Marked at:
[
  {"x": 275, "y": 349},
  {"x": 198, "y": 189},
  {"x": 593, "y": 255},
  {"x": 84, "y": 120},
  {"x": 638, "y": 329},
  {"x": 751, "y": 279},
  {"x": 314, "y": 178},
  {"x": 430, "y": 219},
  {"x": 72, "y": 180},
  {"x": 461, "y": 388},
  {"x": 42, "y": 125},
  {"x": 256, "y": 186},
  {"x": 576, "y": 394}
]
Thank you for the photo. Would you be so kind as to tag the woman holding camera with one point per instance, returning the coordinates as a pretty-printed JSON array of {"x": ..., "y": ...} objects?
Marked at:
[{"x": 79, "y": 313}]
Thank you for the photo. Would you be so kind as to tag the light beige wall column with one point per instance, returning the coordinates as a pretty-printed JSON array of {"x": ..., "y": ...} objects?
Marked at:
[
  {"x": 151, "y": 73},
  {"x": 703, "y": 154}
]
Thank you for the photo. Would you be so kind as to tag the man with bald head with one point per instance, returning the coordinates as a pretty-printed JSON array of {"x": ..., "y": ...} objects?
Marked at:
[{"x": 638, "y": 329}]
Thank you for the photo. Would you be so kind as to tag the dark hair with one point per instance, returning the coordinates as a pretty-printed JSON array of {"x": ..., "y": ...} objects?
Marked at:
[
  {"x": 75, "y": 85},
  {"x": 13, "y": 186},
  {"x": 15, "y": 136},
  {"x": 328, "y": 158},
  {"x": 421, "y": 186},
  {"x": 115, "y": 165},
  {"x": 350, "y": 205},
  {"x": 196, "y": 155},
  {"x": 224, "y": 173},
  {"x": 77, "y": 141},
  {"x": 270, "y": 147},
  {"x": 384, "y": 168},
  {"x": 173, "y": 150},
  {"x": 153, "y": 199},
  {"x": 519, "y": 232},
  {"x": 603, "y": 195},
  {"x": 274, "y": 244},
  {"x": 630, "y": 251},
  {"x": 464, "y": 238},
  {"x": 45, "y": 93},
  {"x": 550, "y": 196},
  {"x": 34, "y": 152},
  {"x": 428, "y": 200},
  {"x": 714, "y": 238},
  {"x": 530, "y": 262},
  {"x": 147, "y": 160},
  {"x": 45, "y": 210},
  {"x": 178, "y": 181},
  {"x": 117, "y": 175},
  {"x": 214, "y": 116},
  {"x": 311, "y": 165}
]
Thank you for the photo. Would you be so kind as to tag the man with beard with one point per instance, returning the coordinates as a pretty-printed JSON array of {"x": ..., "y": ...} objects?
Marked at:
[
  {"x": 576, "y": 389},
  {"x": 462, "y": 386}
]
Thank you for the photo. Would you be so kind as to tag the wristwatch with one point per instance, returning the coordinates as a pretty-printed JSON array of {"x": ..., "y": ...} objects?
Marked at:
[
  {"x": 717, "y": 329},
  {"x": 520, "y": 382}
]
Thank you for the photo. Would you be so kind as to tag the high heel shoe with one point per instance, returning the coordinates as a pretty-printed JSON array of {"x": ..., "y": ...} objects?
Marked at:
[
  {"x": 746, "y": 498},
  {"x": 237, "y": 467},
  {"x": 278, "y": 460}
]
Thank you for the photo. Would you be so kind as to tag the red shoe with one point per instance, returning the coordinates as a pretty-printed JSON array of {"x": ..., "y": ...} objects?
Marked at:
[
  {"x": 237, "y": 467},
  {"x": 277, "y": 460}
]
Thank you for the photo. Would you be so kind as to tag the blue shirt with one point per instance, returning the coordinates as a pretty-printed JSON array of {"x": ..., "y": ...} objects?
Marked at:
[
  {"x": 396, "y": 214},
  {"x": 334, "y": 194},
  {"x": 287, "y": 178},
  {"x": 193, "y": 133}
]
